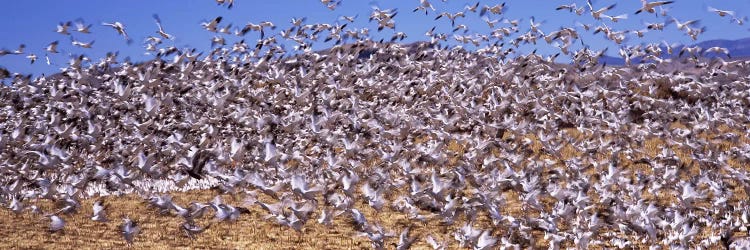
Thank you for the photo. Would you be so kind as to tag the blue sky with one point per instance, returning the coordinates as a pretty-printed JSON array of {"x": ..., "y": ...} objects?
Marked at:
[{"x": 33, "y": 23}]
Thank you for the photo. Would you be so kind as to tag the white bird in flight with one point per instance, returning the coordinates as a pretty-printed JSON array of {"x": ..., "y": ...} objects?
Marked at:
[
  {"x": 99, "y": 214},
  {"x": 81, "y": 44},
  {"x": 56, "y": 223},
  {"x": 161, "y": 31},
  {"x": 721, "y": 13},
  {"x": 598, "y": 13},
  {"x": 120, "y": 28},
  {"x": 649, "y": 6},
  {"x": 52, "y": 47},
  {"x": 129, "y": 230},
  {"x": 62, "y": 28},
  {"x": 83, "y": 28}
]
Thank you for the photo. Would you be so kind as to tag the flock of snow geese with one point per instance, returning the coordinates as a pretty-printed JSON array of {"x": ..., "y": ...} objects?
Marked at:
[{"x": 434, "y": 132}]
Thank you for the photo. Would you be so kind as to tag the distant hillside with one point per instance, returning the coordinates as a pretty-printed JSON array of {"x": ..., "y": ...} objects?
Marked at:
[{"x": 737, "y": 49}]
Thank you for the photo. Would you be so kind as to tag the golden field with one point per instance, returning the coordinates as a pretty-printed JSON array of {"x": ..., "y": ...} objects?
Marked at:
[{"x": 30, "y": 231}]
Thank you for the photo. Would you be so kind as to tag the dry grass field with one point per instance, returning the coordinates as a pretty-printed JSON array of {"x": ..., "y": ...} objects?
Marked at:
[{"x": 30, "y": 231}]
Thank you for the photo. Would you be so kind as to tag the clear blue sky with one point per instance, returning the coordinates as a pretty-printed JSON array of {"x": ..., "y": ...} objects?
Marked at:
[{"x": 34, "y": 22}]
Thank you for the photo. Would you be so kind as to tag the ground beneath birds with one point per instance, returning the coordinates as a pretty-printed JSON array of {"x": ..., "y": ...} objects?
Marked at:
[{"x": 253, "y": 231}]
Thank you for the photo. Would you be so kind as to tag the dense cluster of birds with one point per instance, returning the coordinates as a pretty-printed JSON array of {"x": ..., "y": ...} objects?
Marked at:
[{"x": 433, "y": 132}]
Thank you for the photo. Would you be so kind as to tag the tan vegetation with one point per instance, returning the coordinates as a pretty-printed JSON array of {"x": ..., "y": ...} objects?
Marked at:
[{"x": 254, "y": 231}]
